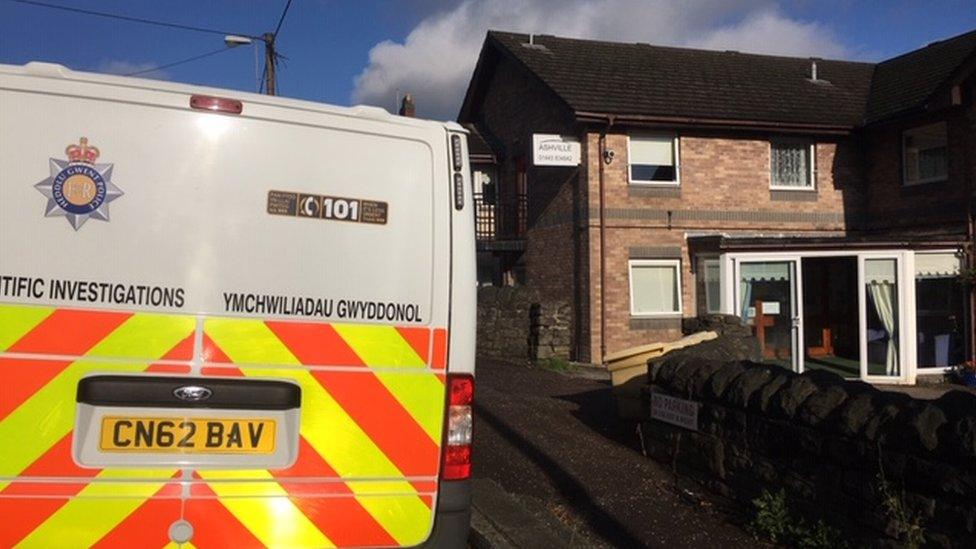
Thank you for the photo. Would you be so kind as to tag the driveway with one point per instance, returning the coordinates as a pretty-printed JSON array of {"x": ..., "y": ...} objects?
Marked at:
[{"x": 553, "y": 438}]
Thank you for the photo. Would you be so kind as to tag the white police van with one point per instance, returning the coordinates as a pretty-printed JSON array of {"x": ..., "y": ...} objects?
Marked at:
[{"x": 228, "y": 319}]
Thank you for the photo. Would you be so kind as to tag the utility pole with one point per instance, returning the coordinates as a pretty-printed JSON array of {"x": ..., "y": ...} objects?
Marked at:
[{"x": 269, "y": 61}]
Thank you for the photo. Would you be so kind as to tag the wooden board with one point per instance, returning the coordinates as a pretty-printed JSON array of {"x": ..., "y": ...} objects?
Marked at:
[{"x": 638, "y": 356}]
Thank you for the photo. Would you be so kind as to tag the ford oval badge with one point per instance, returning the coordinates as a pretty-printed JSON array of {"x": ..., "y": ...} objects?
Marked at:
[{"x": 192, "y": 393}]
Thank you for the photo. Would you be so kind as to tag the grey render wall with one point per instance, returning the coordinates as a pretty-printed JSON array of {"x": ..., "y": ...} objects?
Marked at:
[
  {"x": 517, "y": 323},
  {"x": 823, "y": 440}
]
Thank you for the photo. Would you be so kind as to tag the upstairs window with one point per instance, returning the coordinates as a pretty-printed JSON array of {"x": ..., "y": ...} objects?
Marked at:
[
  {"x": 653, "y": 159},
  {"x": 925, "y": 154},
  {"x": 791, "y": 164}
]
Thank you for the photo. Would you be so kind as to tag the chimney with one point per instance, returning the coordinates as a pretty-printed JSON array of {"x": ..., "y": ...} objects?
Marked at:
[
  {"x": 813, "y": 70},
  {"x": 407, "y": 107}
]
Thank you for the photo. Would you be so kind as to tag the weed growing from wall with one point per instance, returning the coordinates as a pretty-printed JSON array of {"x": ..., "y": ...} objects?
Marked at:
[
  {"x": 908, "y": 523},
  {"x": 555, "y": 364},
  {"x": 774, "y": 521}
]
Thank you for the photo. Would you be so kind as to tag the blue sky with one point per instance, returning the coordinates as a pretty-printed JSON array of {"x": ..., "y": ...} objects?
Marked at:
[
  {"x": 346, "y": 51},
  {"x": 327, "y": 43}
]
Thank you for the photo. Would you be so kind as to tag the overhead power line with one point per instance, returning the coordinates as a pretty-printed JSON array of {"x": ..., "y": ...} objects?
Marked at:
[
  {"x": 281, "y": 19},
  {"x": 127, "y": 18},
  {"x": 175, "y": 63},
  {"x": 272, "y": 57}
]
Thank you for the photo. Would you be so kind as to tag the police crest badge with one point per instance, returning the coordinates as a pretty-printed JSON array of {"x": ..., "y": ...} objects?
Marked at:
[{"x": 78, "y": 188}]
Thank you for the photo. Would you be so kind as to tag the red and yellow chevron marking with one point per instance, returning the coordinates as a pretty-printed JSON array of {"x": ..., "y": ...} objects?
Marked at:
[{"x": 371, "y": 420}]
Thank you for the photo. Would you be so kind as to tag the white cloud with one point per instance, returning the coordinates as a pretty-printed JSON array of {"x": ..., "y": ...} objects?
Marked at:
[
  {"x": 436, "y": 59},
  {"x": 767, "y": 31},
  {"x": 128, "y": 67}
]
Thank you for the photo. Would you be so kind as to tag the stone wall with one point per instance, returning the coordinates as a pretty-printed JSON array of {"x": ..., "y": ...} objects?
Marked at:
[
  {"x": 514, "y": 323},
  {"x": 734, "y": 342},
  {"x": 823, "y": 440}
]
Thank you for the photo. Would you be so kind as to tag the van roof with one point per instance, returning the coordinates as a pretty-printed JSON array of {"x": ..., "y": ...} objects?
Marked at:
[{"x": 56, "y": 71}]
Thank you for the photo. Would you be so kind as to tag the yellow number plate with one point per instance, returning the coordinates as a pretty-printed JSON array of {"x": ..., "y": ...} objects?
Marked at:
[{"x": 188, "y": 435}]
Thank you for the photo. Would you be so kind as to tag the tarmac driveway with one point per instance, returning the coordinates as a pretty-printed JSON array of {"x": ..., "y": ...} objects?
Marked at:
[{"x": 554, "y": 439}]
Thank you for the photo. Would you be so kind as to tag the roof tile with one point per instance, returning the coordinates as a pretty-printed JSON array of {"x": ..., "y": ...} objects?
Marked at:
[{"x": 640, "y": 79}]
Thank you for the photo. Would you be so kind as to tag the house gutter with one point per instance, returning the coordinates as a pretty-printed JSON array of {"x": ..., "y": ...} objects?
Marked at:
[
  {"x": 716, "y": 123},
  {"x": 603, "y": 241},
  {"x": 828, "y": 246}
]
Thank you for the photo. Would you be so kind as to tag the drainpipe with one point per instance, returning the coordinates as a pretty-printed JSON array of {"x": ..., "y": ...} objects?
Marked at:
[
  {"x": 970, "y": 256},
  {"x": 968, "y": 170},
  {"x": 603, "y": 244}
]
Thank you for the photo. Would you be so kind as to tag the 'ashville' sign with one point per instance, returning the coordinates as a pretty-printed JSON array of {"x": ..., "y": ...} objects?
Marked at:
[
  {"x": 676, "y": 411},
  {"x": 554, "y": 150}
]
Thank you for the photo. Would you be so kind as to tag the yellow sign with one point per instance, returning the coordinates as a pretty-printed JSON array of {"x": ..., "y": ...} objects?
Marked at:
[{"x": 188, "y": 435}]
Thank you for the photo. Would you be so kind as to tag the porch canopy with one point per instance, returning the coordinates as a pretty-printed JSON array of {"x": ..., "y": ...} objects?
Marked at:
[{"x": 711, "y": 243}]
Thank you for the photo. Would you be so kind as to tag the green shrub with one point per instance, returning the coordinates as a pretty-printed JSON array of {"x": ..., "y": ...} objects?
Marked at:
[
  {"x": 772, "y": 519},
  {"x": 908, "y": 524},
  {"x": 555, "y": 364},
  {"x": 819, "y": 536},
  {"x": 775, "y": 522}
]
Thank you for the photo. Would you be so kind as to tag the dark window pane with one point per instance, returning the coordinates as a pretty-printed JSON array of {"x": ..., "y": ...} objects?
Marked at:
[
  {"x": 940, "y": 309},
  {"x": 648, "y": 172},
  {"x": 488, "y": 193}
]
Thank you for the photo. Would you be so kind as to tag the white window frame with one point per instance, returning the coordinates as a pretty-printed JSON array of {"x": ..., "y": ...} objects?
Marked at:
[
  {"x": 906, "y": 300},
  {"x": 813, "y": 166},
  {"x": 904, "y": 157},
  {"x": 930, "y": 370},
  {"x": 676, "y": 264},
  {"x": 676, "y": 141}
]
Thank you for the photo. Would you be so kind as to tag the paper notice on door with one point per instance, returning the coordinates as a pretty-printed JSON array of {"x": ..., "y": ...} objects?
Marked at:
[{"x": 770, "y": 307}]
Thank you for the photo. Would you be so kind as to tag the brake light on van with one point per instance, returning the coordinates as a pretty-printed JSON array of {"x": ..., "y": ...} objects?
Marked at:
[
  {"x": 457, "y": 450},
  {"x": 218, "y": 104}
]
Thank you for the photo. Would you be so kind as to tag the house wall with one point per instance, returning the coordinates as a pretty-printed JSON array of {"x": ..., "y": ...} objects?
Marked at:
[
  {"x": 724, "y": 188},
  {"x": 515, "y": 106},
  {"x": 931, "y": 208}
]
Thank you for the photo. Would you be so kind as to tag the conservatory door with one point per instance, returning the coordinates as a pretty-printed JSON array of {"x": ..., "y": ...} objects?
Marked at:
[
  {"x": 882, "y": 344},
  {"x": 767, "y": 301}
]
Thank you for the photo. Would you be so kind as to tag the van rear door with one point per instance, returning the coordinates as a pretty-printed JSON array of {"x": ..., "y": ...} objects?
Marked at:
[{"x": 215, "y": 328}]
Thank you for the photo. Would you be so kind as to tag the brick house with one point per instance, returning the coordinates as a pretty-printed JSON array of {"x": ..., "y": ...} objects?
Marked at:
[{"x": 823, "y": 201}]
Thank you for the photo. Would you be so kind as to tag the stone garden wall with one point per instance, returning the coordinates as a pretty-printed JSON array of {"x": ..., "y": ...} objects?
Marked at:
[
  {"x": 514, "y": 323},
  {"x": 824, "y": 440}
]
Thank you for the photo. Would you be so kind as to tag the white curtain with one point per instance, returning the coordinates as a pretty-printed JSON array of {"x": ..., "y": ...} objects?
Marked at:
[
  {"x": 655, "y": 288},
  {"x": 656, "y": 150},
  {"x": 789, "y": 164},
  {"x": 945, "y": 265},
  {"x": 883, "y": 296},
  {"x": 746, "y": 292},
  {"x": 765, "y": 272}
]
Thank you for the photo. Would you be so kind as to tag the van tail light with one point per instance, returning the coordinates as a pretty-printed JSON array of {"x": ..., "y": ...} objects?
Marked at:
[
  {"x": 218, "y": 104},
  {"x": 457, "y": 450}
]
